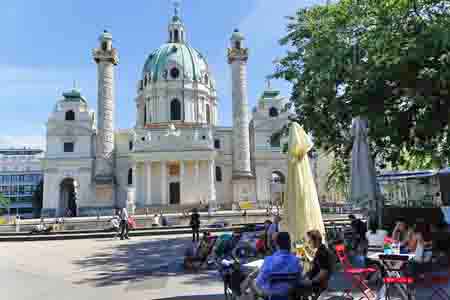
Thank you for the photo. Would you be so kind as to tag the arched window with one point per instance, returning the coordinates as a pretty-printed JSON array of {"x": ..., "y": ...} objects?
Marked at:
[
  {"x": 206, "y": 78},
  {"x": 218, "y": 174},
  {"x": 238, "y": 44},
  {"x": 217, "y": 144},
  {"x": 70, "y": 115},
  {"x": 175, "y": 110},
  {"x": 177, "y": 36},
  {"x": 273, "y": 112},
  {"x": 130, "y": 176},
  {"x": 278, "y": 177},
  {"x": 130, "y": 145},
  {"x": 275, "y": 140},
  {"x": 208, "y": 114}
]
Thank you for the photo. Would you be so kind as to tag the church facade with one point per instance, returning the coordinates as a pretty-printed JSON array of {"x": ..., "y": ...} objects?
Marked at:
[{"x": 177, "y": 154}]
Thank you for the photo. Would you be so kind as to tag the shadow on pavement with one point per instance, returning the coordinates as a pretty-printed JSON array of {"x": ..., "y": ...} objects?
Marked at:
[{"x": 141, "y": 265}]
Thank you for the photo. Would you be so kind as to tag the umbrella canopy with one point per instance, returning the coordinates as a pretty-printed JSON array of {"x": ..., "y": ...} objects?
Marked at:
[
  {"x": 364, "y": 185},
  {"x": 301, "y": 204}
]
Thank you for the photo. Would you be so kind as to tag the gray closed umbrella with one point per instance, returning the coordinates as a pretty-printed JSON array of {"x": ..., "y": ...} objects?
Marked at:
[{"x": 364, "y": 185}]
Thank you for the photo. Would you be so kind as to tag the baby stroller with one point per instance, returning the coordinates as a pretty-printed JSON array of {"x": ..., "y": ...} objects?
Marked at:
[
  {"x": 115, "y": 226},
  {"x": 196, "y": 256}
]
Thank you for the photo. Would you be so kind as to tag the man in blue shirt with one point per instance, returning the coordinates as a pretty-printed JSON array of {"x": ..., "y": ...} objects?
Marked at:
[{"x": 282, "y": 261}]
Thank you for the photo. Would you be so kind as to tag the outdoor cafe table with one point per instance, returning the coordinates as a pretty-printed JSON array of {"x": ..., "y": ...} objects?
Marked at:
[{"x": 392, "y": 266}]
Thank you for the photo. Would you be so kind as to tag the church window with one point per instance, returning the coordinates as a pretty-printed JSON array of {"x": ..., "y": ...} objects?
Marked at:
[
  {"x": 171, "y": 36},
  {"x": 275, "y": 140},
  {"x": 174, "y": 73},
  {"x": 177, "y": 36},
  {"x": 206, "y": 79},
  {"x": 104, "y": 46},
  {"x": 130, "y": 176},
  {"x": 70, "y": 115},
  {"x": 273, "y": 112},
  {"x": 130, "y": 145},
  {"x": 175, "y": 110},
  {"x": 69, "y": 147},
  {"x": 203, "y": 137},
  {"x": 217, "y": 144},
  {"x": 208, "y": 114},
  {"x": 218, "y": 174},
  {"x": 238, "y": 44}
]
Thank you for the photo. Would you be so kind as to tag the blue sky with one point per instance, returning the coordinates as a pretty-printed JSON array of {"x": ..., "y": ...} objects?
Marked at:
[{"x": 46, "y": 45}]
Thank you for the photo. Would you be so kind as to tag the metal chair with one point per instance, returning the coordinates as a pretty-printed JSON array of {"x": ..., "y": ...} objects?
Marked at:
[{"x": 357, "y": 276}]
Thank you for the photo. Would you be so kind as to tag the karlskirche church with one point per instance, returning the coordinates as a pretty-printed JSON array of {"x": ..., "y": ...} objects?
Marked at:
[{"x": 177, "y": 155}]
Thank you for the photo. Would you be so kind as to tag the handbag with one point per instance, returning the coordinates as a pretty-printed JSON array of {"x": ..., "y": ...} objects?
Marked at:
[{"x": 131, "y": 223}]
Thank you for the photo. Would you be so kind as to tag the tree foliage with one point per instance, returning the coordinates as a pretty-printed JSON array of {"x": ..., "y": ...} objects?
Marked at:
[
  {"x": 388, "y": 61},
  {"x": 4, "y": 202}
]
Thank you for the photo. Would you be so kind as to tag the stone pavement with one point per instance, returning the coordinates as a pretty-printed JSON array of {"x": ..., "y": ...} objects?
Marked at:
[{"x": 142, "y": 268}]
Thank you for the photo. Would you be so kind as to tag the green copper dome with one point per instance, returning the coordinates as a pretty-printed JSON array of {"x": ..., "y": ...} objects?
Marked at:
[{"x": 177, "y": 61}]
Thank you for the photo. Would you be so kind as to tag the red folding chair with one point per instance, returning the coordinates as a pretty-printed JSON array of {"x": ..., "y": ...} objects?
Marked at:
[
  {"x": 395, "y": 274},
  {"x": 357, "y": 276}
]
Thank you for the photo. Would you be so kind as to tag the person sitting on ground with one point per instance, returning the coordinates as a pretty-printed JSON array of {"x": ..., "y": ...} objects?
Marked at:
[
  {"x": 198, "y": 253},
  {"x": 273, "y": 228},
  {"x": 281, "y": 262},
  {"x": 403, "y": 234},
  {"x": 316, "y": 280},
  {"x": 262, "y": 244},
  {"x": 115, "y": 225},
  {"x": 156, "y": 221}
]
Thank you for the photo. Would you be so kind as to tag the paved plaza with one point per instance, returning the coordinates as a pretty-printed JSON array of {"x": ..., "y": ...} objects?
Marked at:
[{"x": 141, "y": 268}]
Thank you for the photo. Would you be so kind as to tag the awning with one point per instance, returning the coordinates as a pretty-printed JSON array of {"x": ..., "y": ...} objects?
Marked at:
[{"x": 406, "y": 175}]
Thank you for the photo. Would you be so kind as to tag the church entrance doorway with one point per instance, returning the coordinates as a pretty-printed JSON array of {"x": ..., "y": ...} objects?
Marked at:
[
  {"x": 68, "y": 198},
  {"x": 174, "y": 192}
]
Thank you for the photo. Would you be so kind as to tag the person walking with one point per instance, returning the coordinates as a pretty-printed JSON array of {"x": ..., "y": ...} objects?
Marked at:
[
  {"x": 124, "y": 223},
  {"x": 195, "y": 225}
]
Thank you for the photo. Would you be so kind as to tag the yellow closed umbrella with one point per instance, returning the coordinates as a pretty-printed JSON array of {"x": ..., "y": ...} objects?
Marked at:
[{"x": 301, "y": 204}]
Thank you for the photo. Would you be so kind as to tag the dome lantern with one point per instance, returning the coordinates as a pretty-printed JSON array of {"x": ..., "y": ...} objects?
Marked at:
[{"x": 177, "y": 32}]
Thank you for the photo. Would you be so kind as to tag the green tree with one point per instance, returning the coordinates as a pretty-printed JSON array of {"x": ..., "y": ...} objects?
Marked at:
[
  {"x": 37, "y": 199},
  {"x": 4, "y": 203},
  {"x": 388, "y": 61}
]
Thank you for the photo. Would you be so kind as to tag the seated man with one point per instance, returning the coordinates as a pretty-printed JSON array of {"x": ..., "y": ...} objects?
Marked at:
[
  {"x": 322, "y": 264},
  {"x": 281, "y": 262}
]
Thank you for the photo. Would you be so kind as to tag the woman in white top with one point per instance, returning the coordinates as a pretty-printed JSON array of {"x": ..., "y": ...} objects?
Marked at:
[{"x": 375, "y": 236}]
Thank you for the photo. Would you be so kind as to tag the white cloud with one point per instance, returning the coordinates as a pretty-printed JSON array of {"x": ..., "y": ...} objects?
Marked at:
[{"x": 22, "y": 141}]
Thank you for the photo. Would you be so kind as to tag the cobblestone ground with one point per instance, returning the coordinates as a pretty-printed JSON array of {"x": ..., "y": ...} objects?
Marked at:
[{"x": 142, "y": 268}]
